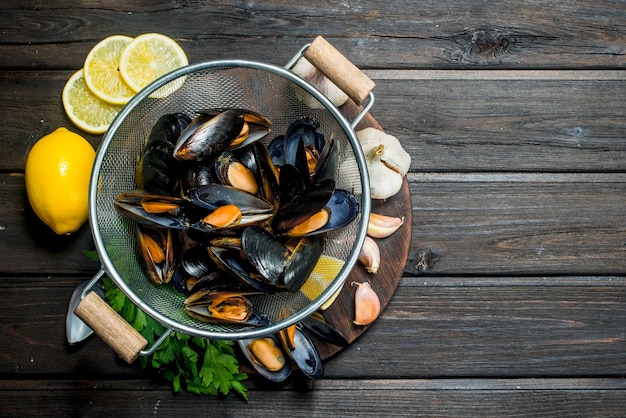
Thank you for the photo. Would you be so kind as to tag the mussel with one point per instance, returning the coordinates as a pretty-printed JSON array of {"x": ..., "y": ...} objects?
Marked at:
[
  {"x": 231, "y": 171},
  {"x": 157, "y": 249},
  {"x": 156, "y": 170},
  {"x": 267, "y": 357},
  {"x": 229, "y": 307},
  {"x": 213, "y": 131},
  {"x": 340, "y": 210},
  {"x": 153, "y": 209},
  {"x": 276, "y": 262},
  {"x": 302, "y": 351},
  {"x": 242, "y": 272}
]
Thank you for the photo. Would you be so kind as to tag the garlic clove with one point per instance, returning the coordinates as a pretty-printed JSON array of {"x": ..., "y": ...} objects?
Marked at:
[
  {"x": 387, "y": 162},
  {"x": 313, "y": 76},
  {"x": 382, "y": 226},
  {"x": 366, "y": 304},
  {"x": 370, "y": 255}
]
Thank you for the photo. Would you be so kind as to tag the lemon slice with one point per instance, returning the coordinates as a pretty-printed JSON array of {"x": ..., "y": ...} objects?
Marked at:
[
  {"x": 102, "y": 73},
  {"x": 84, "y": 109},
  {"x": 324, "y": 272},
  {"x": 148, "y": 57}
]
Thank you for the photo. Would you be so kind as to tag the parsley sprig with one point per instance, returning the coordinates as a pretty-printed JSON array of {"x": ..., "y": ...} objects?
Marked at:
[{"x": 192, "y": 364}]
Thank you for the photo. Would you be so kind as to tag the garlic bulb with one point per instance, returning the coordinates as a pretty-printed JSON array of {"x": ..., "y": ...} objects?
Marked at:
[
  {"x": 387, "y": 162},
  {"x": 313, "y": 76}
]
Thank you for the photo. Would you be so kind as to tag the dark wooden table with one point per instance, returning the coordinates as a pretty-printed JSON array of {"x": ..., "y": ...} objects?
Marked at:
[{"x": 513, "y": 299}]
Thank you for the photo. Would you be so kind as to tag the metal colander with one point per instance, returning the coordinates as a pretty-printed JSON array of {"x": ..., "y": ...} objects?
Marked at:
[{"x": 272, "y": 91}]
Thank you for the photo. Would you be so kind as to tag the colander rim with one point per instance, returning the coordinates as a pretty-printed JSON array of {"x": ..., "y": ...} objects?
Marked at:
[{"x": 244, "y": 333}]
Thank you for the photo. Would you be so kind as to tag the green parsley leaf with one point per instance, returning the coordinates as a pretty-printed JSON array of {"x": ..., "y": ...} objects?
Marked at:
[{"x": 192, "y": 364}]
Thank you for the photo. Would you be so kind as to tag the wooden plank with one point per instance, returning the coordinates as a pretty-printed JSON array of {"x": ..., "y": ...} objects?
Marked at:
[
  {"x": 518, "y": 227},
  {"x": 29, "y": 246},
  {"x": 521, "y": 331},
  {"x": 549, "y": 397},
  {"x": 431, "y": 328},
  {"x": 379, "y": 34},
  {"x": 448, "y": 121},
  {"x": 463, "y": 224},
  {"x": 509, "y": 123}
]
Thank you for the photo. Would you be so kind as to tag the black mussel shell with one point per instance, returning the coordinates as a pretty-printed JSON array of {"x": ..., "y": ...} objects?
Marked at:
[
  {"x": 197, "y": 262},
  {"x": 272, "y": 375},
  {"x": 266, "y": 253},
  {"x": 132, "y": 205},
  {"x": 302, "y": 261},
  {"x": 179, "y": 280},
  {"x": 249, "y": 116},
  {"x": 247, "y": 180},
  {"x": 220, "y": 306},
  {"x": 276, "y": 150},
  {"x": 328, "y": 162},
  {"x": 158, "y": 270},
  {"x": 305, "y": 355},
  {"x": 208, "y": 135},
  {"x": 156, "y": 170},
  {"x": 266, "y": 171},
  {"x": 230, "y": 261},
  {"x": 195, "y": 174},
  {"x": 214, "y": 281},
  {"x": 212, "y": 196},
  {"x": 296, "y": 207},
  {"x": 303, "y": 130},
  {"x": 343, "y": 208}
]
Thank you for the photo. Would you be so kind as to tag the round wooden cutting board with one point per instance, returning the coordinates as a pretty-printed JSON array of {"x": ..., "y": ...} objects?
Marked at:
[{"x": 393, "y": 253}]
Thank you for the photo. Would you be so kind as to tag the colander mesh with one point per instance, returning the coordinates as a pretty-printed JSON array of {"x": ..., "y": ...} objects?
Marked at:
[{"x": 256, "y": 89}]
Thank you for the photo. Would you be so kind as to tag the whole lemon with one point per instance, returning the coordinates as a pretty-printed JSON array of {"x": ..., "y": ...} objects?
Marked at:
[{"x": 58, "y": 168}]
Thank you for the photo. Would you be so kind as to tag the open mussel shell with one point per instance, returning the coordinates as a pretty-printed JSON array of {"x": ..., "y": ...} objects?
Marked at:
[
  {"x": 221, "y": 307},
  {"x": 297, "y": 203},
  {"x": 233, "y": 171},
  {"x": 267, "y": 357},
  {"x": 212, "y": 196},
  {"x": 305, "y": 148},
  {"x": 207, "y": 135},
  {"x": 302, "y": 351},
  {"x": 328, "y": 162},
  {"x": 152, "y": 209},
  {"x": 302, "y": 132},
  {"x": 249, "y": 116},
  {"x": 260, "y": 161},
  {"x": 341, "y": 209},
  {"x": 156, "y": 247},
  {"x": 302, "y": 261},
  {"x": 229, "y": 261},
  {"x": 256, "y": 126},
  {"x": 215, "y": 130}
]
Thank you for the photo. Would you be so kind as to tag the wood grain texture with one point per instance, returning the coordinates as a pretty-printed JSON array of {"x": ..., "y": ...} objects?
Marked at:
[
  {"x": 513, "y": 298},
  {"x": 399, "y": 34},
  {"x": 542, "y": 397},
  {"x": 433, "y": 327},
  {"x": 464, "y": 224},
  {"x": 448, "y": 121}
]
